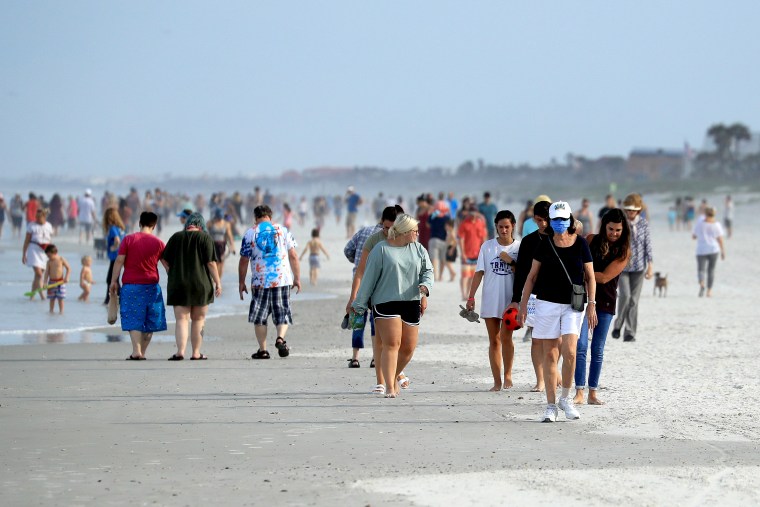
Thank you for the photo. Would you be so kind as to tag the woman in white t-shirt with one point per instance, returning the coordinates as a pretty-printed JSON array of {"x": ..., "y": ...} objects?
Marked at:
[
  {"x": 495, "y": 267},
  {"x": 709, "y": 236},
  {"x": 38, "y": 235}
]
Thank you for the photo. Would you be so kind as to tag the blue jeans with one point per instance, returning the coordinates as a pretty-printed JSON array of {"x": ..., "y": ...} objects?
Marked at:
[
  {"x": 597, "y": 351},
  {"x": 357, "y": 336}
]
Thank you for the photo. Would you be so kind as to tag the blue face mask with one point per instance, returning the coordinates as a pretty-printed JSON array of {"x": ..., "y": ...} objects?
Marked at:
[{"x": 560, "y": 226}]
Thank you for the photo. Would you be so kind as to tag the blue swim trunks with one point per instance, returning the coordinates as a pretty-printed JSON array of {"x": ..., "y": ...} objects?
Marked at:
[{"x": 142, "y": 308}]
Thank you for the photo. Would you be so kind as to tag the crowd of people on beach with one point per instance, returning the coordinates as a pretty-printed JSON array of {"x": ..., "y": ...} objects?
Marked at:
[{"x": 547, "y": 269}]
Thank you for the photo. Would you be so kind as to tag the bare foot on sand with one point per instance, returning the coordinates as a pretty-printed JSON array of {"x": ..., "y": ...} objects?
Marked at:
[
  {"x": 538, "y": 388},
  {"x": 578, "y": 399},
  {"x": 507, "y": 383},
  {"x": 593, "y": 400},
  {"x": 495, "y": 388}
]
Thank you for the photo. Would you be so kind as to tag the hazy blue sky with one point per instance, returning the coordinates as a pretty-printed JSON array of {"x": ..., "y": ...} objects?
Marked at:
[{"x": 233, "y": 87}]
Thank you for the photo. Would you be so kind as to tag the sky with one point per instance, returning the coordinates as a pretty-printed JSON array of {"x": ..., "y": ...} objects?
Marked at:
[{"x": 136, "y": 87}]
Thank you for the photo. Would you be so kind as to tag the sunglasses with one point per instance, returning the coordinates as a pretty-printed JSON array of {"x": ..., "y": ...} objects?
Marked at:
[{"x": 557, "y": 219}]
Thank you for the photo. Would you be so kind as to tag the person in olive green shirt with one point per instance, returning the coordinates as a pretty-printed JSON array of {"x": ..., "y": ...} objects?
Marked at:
[
  {"x": 398, "y": 278},
  {"x": 191, "y": 263}
]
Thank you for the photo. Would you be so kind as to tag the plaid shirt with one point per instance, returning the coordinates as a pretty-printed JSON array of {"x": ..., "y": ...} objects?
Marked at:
[
  {"x": 641, "y": 246},
  {"x": 353, "y": 249}
]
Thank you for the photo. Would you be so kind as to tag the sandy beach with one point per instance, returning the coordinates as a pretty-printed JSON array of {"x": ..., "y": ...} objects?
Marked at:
[{"x": 82, "y": 426}]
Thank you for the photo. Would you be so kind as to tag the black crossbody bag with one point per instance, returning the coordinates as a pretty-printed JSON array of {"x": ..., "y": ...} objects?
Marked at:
[{"x": 578, "y": 296}]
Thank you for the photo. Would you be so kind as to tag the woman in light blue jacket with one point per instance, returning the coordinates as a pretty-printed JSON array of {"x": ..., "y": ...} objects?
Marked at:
[{"x": 398, "y": 279}]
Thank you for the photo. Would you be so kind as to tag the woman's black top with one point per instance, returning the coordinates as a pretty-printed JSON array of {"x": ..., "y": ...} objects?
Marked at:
[{"x": 552, "y": 283}]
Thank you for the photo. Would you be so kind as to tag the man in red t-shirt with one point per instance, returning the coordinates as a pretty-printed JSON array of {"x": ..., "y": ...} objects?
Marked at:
[
  {"x": 471, "y": 235},
  {"x": 142, "y": 307}
]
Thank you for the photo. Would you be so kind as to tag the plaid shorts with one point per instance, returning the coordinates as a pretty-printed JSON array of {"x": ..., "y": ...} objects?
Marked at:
[{"x": 275, "y": 301}]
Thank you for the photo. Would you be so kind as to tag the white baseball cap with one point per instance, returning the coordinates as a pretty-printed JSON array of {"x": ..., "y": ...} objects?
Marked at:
[
  {"x": 559, "y": 209},
  {"x": 88, "y": 192}
]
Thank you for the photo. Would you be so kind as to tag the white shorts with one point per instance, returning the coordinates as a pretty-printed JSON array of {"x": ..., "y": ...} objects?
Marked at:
[
  {"x": 531, "y": 316},
  {"x": 553, "y": 320}
]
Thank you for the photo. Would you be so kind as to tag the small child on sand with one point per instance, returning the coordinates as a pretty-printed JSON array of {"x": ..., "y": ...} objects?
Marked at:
[
  {"x": 313, "y": 247},
  {"x": 57, "y": 272},
  {"x": 85, "y": 278}
]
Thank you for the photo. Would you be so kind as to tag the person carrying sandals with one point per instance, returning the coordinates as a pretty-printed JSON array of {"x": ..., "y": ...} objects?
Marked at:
[
  {"x": 398, "y": 280},
  {"x": 270, "y": 250}
]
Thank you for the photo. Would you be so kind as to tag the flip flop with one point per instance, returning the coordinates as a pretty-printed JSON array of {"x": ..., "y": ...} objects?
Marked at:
[
  {"x": 132, "y": 358},
  {"x": 403, "y": 381},
  {"x": 379, "y": 389},
  {"x": 202, "y": 357},
  {"x": 175, "y": 357},
  {"x": 470, "y": 315}
]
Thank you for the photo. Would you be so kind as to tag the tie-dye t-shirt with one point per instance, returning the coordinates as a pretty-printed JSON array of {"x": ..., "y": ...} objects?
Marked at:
[{"x": 267, "y": 246}]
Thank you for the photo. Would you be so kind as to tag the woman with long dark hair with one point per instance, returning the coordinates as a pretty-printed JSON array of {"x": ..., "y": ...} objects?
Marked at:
[
  {"x": 113, "y": 232},
  {"x": 610, "y": 250},
  {"x": 495, "y": 268}
]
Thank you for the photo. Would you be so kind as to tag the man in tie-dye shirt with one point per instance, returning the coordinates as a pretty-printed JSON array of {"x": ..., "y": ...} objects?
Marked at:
[{"x": 270, "y": 250}]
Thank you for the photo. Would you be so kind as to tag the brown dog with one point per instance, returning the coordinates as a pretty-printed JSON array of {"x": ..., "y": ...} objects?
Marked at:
[{"x": 661, "y": 283}]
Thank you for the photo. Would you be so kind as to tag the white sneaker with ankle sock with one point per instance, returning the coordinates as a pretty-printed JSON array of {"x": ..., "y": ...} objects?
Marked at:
[
  {"x": 550, "y": 415},
  {"x": 568, "y": 407}
]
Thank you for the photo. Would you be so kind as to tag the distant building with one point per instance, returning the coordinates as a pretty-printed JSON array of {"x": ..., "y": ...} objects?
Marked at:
[{"x": 655, "y": 164}]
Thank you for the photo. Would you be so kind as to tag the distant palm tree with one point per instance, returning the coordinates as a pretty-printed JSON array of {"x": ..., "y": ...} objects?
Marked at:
[
  {"x": 722, "y": 138},
  {"x": 738, "y": 132}
]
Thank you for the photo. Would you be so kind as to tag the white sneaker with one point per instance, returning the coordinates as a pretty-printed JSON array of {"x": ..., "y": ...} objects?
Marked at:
[
  {"x": 568, "y": 407},
  {"x": 551, "y": 413}
]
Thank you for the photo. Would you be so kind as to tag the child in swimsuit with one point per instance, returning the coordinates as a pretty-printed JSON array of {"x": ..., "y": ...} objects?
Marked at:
[
  {"x": 57, "y": 272},
  {"x": 313, "y": 247},
  {"x": 85, "y": 278}
]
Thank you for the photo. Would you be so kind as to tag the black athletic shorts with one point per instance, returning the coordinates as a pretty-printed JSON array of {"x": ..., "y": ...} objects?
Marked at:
[{"x": 407, "y": 311}]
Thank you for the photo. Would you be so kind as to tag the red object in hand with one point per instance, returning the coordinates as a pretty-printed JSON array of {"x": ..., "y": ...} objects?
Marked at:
[{"x": 510, "y": 319}]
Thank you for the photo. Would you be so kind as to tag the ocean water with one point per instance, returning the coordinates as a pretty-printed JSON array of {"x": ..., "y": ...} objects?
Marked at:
[{"x": 27, "y": 322}]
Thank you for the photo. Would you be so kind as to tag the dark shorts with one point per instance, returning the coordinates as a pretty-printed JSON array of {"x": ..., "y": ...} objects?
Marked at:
[
  {"x": 407, "y": 311},
  {"x": 142, "y": 308},
  {"x": 451, "y": 254},
  {"x": 220, "y": 247},
  {"x": 275, "y": 301}
]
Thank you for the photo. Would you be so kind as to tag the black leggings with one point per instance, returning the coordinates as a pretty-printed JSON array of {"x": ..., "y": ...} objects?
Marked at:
[{"x": 108, "y": 282}]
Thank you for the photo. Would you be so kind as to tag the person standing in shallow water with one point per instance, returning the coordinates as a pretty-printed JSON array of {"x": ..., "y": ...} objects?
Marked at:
[{"x": 39, "y": 234}]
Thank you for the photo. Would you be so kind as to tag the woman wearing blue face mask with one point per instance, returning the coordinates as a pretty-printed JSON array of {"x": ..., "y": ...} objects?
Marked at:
[{"x": 558, "y": 264}]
